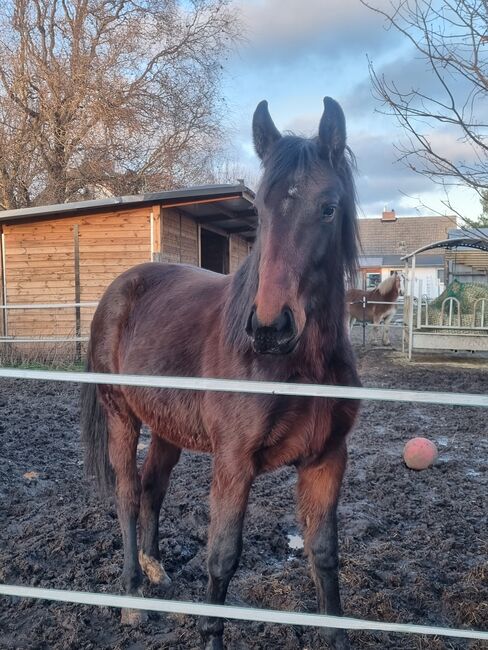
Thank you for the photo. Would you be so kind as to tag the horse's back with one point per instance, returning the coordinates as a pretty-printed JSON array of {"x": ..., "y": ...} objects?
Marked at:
[
  {"x": 149, "y": 307},
  {"x": 354, "y": 306}
]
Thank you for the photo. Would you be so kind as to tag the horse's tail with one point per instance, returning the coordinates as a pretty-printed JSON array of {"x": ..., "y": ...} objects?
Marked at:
[{"x": 94, "y": 437}]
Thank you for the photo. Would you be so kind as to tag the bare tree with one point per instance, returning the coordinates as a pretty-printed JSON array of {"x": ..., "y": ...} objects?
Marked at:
[
  {"x": 451, "y": 39},
  {"x": 115, "y": 94}
]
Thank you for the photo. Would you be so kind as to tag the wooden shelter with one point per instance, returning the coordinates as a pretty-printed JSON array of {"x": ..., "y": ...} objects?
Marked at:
[
  {"x": 455, "y": 327},
  {"x": 69, "y": 253}
]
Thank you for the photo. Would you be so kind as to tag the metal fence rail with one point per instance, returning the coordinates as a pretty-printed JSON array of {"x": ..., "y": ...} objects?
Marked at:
[
  {"x": 77, "y": 306},
  {"x": 364, "y": 302},
  {"x": 48, "y": 305}
]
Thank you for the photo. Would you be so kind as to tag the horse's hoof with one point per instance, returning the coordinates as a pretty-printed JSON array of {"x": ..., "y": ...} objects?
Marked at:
[
  {"x": 154, "y": 570},
  {"x": 133, "y": 617}
]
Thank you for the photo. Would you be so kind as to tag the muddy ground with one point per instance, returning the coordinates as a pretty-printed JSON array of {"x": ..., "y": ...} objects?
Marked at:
[{"x": 413, "y": 545}]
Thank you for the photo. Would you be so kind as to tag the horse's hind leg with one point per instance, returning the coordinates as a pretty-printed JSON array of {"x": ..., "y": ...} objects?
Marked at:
[
  {"x": 123, "y": 434},
  {"x": 161, "y": 458},
  {"x": 318, "y": 493},
  {"x": 228, "y": 501},
  {"x": 375, "y": 331}
]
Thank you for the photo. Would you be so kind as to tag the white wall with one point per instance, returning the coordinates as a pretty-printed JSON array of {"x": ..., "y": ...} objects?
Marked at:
[
  {"x": 425, "y": 280},
  {"x": 426, "y": 283}
]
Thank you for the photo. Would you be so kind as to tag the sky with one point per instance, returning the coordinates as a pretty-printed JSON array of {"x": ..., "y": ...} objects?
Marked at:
[{"x": 298, "y": 51}]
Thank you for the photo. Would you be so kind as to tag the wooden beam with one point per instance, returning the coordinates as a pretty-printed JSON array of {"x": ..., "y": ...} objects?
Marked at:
[
  {"x": 156, "y": 233},
  {"x": 76, "y": 250},
  {"x": 224, "y": 215},
  {"x": 210, "y": 218},
  {"x": 239, "y": 229},
  {"x": 4, "y": 281},
  {"x": 217, "y": 231}
]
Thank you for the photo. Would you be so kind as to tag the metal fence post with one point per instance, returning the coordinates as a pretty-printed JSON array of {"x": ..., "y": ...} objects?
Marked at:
[{"x": 364, "y": 321}]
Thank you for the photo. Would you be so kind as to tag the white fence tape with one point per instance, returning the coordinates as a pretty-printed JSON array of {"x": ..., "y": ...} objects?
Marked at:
[
  {"x": 232, "y": 612},
  {"x": 260, "y": 387}
]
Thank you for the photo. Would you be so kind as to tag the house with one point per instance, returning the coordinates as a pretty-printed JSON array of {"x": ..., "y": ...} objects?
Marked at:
[
  {"x": 69, "y": 253},
  {"x": 384, "y": 241}
]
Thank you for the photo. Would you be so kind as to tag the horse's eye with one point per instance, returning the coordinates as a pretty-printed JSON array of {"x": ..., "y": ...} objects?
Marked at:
[{"x": 328, "y": 213}]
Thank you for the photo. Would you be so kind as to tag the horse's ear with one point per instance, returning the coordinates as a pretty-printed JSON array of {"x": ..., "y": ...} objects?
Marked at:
[
  {"x": 332, "y": 131},
  {"x": 264, "y": 132}
]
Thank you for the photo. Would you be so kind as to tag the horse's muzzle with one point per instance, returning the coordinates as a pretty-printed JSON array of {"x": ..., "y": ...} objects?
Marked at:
[{"x": 280, "y": 337}]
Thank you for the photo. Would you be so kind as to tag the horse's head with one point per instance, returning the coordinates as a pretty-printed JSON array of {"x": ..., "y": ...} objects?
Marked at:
[
  {"x": 400, "y": 283},
  {"x": 307, "y": 234}
]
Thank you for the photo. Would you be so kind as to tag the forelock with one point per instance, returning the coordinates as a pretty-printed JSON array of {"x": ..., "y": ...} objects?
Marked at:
[{"x": 291, "y": 159}]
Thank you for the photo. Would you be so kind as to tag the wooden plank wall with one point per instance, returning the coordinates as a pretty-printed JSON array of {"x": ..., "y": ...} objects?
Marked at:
[
  {"x": 40, "y": 265},
  {"x": 179, "y": 238},
  {"x": 474, "y": 258},
  {"x": 239, "y": 250},
  {"x": 1, "y": 291}
]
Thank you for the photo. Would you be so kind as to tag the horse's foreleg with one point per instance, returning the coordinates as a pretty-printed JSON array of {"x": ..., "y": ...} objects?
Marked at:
[
  {"x": 386, "y": 329},
  {"x": 123, "y": 430},
  {"x": 161, "y": 458},
  {"x": 318, "y": 493},
  {"x": 228, "y": 502}
]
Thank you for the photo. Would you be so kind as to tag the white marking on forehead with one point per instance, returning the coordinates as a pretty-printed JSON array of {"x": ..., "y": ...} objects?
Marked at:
[{"x": 293, "y": 191}]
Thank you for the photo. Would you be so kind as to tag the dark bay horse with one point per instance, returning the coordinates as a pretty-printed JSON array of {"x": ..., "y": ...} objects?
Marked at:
[
  {"x": 387, "y": 291},
  {"x": 280, "y": 317}
]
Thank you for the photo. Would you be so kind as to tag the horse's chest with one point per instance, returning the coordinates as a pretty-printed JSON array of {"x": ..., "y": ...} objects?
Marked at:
[{"x": 298, "y": 436}]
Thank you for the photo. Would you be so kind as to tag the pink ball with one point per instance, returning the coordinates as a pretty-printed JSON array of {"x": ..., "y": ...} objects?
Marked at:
[{"x": 419, "y": 453}]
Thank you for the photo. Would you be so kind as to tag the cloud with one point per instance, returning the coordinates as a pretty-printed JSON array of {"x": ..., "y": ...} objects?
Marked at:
[
  {"x": 284, "y": 30},
  {"x": 298, "y": 51},
  {"x": 381, "y": 179}
]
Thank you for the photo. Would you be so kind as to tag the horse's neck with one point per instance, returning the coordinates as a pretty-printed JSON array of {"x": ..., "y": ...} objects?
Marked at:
[
  {"x": 391, "y": 295},
  {"x": 373, "y": 294},
  {"x": 326, "y": 324}
]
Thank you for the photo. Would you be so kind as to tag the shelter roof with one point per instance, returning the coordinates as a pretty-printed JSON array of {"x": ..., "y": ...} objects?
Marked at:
[
  {"x": 448, "y": 244},
  {"x": 228, "y": 207},
  {"x": 422, "y": 261},
  {"x": 397, "y": 260}
]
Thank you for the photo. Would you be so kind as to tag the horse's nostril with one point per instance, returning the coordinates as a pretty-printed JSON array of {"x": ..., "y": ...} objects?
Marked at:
[
  {"x": 285, "y": 323},
  {"x": 288, "y": 321},
  {"x": 252, "y": 322}
]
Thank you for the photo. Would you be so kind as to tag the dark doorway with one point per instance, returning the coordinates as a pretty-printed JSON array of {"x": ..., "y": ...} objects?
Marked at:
[{"x": 214, "y": 251}]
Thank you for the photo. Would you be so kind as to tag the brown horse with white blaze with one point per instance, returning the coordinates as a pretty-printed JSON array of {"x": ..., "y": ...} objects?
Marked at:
[{"x": 280, "y": 317}]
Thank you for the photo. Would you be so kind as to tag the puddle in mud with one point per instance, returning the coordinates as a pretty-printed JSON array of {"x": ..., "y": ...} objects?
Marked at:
[{"x": 295, "y": 542}]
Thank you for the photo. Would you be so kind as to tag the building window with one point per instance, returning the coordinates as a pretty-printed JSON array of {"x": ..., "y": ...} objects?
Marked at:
[
  {"x": 372, "y": 280},
  {"x": 440, "y": 275}
]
